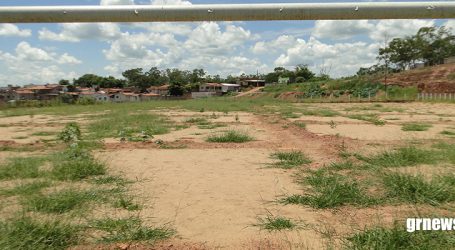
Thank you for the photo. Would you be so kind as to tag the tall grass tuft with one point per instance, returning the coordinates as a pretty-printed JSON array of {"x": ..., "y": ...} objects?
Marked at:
[
  {"x": 231, "y": 136},
  {"x": 275, "y": 223},
  {"x": 398, "y": 238},
  {"x": 288, "y": 160},
  {"x": 416, "y": 127},
  {"x": 76, "y": 163},
  {"x": 25, "y": 233},
  {"x": 416, "y": 189},
  {"x": 130, "y": 229},
  {"x": 407, "y": 156},
  {"x": 59, "y": 202},
  {"x": 330, "y": 190},
  {"x": 21, "y": 167}
]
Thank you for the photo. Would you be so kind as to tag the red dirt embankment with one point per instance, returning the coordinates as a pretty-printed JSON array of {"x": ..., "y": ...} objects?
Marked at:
[{"x": 435, "y": 79}]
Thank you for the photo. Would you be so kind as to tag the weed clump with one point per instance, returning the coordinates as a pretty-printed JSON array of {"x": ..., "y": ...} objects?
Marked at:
[
  {"x": 25, "y": 233},
  {"x": 76, "y": 163},
  {"x": 330, "y": 190},
  {"x": 230, "y": 136},
  {"x": 21, "y": 168},
  {"x": 407, "y": 156},
  {"x": 131, "y": 229},
  {"x": 291, "y": 159},
  {"x": 275, "y": 223},
  {"x": 59, "y": 202},
  {"x": 70, "y": 134},
  {"x": 416, "y": 189},
  {"x": 398, "y": 238},
  {"x": 415, "y": 127}
]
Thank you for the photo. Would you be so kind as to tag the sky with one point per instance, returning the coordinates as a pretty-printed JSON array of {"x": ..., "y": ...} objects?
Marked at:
[{"x": 46, "y": 53}]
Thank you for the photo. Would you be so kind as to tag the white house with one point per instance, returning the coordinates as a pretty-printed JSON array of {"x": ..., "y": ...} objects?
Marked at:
[{"x": 228, "y": 87}]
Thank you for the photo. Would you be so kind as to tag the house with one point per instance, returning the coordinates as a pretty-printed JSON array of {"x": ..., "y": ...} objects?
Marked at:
[
  {"x": 99, "y": 96},
  {"x": 40, "y": 92},
  {"x": 449, "y": 60},
  {"x": 23, "y": 94},
  {"x": 159, "y": 90},
  {"x": 210, "y": 87},
  {"x": 149, "y": 96},
  {"x": 228, "y": 87},
  {"x": 132, "y": 97},
  {"x": 284, "y": 80},
  {"x": 247, "y": 82}
]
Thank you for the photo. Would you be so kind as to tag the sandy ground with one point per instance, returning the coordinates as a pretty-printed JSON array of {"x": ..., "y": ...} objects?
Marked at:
[{"x": 213, "y": 193}]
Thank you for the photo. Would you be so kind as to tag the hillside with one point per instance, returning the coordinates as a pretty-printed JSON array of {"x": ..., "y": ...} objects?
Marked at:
[{"x": 436, "y": 79}]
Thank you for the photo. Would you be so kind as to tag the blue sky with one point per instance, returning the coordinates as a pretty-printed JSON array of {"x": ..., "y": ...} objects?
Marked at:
[{"x": 42, "y": 53}]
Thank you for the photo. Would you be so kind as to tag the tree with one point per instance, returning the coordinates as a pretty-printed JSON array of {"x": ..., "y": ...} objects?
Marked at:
[
  {"x": 88, "y": 81},
  {"x": 137, "y": 78},
  {"x": 303, "y": 73},
  {"x": 64, "y": 82}
]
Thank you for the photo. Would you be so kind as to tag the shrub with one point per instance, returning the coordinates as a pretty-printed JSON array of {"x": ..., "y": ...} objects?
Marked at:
[
  {"x": 70, "y": 134},
  {"x": 230, "y": 136}
]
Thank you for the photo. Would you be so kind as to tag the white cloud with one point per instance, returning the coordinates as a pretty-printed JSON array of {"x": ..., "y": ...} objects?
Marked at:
[
  {"x": 340, "y": 30},
  {"x": 208, "y": 38},
  {"x": 67, "y": 59},
  {"x": 116, "y": 2},
  {"x": 451, "y": 25},
  {"x": 170, "y": 2},
  {"x": 280, "y": 44},
  {"x": 74, "y": 32},
  {"x": 8, "y": 29},
  {"x": 341, "y": 58},
  {"x": 29, "y": 64},
  {"x": 397, "y": 28}
]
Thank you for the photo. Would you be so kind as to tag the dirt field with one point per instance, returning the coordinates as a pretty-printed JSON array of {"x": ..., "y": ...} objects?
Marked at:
[{"x": 214, "y": 194}]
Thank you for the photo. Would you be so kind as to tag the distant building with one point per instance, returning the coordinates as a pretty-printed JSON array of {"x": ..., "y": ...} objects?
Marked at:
[
  {"x": 284, "y": 80},
  {"x": 449, "y": 60},
  {"x": 149, "y": 97},
  {"x": 159, "y": 90},
  {"x": 228, "y": 87},
  {"x": 244, "y": 82},
  {"x": 210, "y": 87}
]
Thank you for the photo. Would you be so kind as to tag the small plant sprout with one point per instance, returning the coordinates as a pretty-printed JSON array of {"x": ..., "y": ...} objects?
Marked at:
[
  {"x": 237, "y": 118},
  {"x": 332, "y": 124}
]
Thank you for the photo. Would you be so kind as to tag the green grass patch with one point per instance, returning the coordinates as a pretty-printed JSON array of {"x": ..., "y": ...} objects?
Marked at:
[
  {"x": 76, "y": 164},
  {"x": 416, "y": 127},
  {"x": 124, "y": 124},
  {"x": 129, "y": 230},
  {"x": 288, "y": 160},
  {"x": 371, "y": 118},
  {"x": 44, "y": 133},
  {"x": 341, "y": 165},
  {"x": 231, "y": 136},
  {"x": 447, "y": 132},
  {"x": 26, "y": 189},
  {"x": 330, "y": 190},
  {"x": 126, "y": 203},
  {"x": 416, "y": 189},
  {"x": 25, "y": 233},
  {"x": 300, "y": 124},
  {"x": 398, "y": 238},
  {"x": 275, "y": 223},
  {"x": 321, "y": 112},
  {"x": 212, "y": 126},
  {"x": 21, "y": 168},
  {"x": 402, "y": 157},
  {"x": 59, "y": 202}
]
